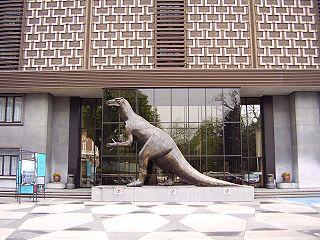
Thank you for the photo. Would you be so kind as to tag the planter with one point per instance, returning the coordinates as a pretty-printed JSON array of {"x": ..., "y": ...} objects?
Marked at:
[
  {"x": 56, "y": 178},
  {"x": 286, "y": 178}
]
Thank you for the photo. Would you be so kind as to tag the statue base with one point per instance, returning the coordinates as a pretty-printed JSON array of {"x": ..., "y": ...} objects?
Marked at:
[{"x": 118, "y": 193}]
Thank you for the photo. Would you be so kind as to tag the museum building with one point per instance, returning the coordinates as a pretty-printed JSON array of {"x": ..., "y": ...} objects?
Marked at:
[{"x": 234, "y": 82}]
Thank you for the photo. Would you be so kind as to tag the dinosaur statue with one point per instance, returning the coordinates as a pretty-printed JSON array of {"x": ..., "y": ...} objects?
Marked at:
[{"x": 159, "y": 148}]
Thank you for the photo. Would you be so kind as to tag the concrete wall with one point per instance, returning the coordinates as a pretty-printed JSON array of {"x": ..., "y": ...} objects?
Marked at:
[
  {"x": 305, "y": 136},
  {"x": 45, "y": 129},
  {"x": 282, "y": 136},
  {"x": 60, "y": 137}
]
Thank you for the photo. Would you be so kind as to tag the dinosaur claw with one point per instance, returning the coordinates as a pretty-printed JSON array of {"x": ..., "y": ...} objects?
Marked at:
[{"x": 135, "y": 184}]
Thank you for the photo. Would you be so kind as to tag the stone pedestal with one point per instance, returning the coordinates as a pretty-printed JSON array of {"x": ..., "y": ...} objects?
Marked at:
[
  {"x": 56, "y": 185},
  {"x": 287, "y": 185},
  {"x": 172, "y": 194}
]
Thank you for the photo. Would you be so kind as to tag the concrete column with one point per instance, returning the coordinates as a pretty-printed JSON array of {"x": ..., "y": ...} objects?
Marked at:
[
  {"x": 305, "y": 138},
  {"x": 60, "y": 136},
  {"x": 282, "y": 136}
]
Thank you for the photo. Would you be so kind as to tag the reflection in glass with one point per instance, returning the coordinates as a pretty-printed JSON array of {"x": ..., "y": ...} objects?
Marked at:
[
  {"x": 214, "y": 137},
  {"x": 231, "y": 105},
  {"x": 233, "y": 164},
  {"x": 197, "y": 105},
  {"x": 163, "y": 104},
  {"x": 232, "y": 138}
]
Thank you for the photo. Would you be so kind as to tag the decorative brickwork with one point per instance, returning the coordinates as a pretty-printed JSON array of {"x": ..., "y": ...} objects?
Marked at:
[
  {"x": 287, "y": 34},
  {"x": 122, "y": 34},
  {"x": 54, "y": 35},
  {"x": 218, "y": 34}
]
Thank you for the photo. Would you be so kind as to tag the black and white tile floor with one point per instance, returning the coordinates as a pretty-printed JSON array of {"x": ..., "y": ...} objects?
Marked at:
[{"x": 54, "y": 219}]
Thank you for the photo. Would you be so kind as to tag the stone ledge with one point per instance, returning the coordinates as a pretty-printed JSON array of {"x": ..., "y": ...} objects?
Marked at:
[
  {"x": 285, "y": 185},
  {"x": 56, "y": 185},
  {"x": 172, "y": 194}
]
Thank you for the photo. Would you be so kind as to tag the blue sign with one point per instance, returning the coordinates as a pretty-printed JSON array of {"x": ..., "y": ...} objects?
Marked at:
[
  {"x": 41, "y": 164},
  {"x": 27, "y": 189}
]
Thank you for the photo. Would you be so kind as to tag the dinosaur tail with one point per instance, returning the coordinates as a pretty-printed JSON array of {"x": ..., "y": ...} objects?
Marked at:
[{"x": 192, "y": 176}]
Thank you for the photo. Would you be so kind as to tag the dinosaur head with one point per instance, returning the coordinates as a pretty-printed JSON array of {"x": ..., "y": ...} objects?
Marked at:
[{"x": 116, "y": 102}]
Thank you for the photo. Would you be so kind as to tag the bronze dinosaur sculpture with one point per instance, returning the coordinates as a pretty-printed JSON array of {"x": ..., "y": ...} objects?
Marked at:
[{"x": 159, "y": 148}]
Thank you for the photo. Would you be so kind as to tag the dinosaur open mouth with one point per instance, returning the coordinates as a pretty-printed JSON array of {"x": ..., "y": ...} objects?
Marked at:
[{"x": 112, "y": 103}]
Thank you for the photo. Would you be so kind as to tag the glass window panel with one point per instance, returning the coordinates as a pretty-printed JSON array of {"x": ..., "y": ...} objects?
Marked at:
[
  {"x": 197, "y": 136},
  {"x": 131, "y": 96},
  {"x": 163, "y": 104},
  {"x": 17, "y": 109},
  {"x": 9, "y": 109},
  {"x": 214, "y": 104},
  {"x": 231, "y": 105},
  {"x": 179, "y": 105},
  {"x": 233, "y": 165},
  {"x": 165, "y": 127},
  {"x": 145, "y": 105},
  {"x": 196, "y": 163},
  {"x": 232, "y": 138},
  {"x": 214, "y": 137},
  {"x": 2, "y": 109},
  {"x": 197, "y": 109},
  {"x": 180, "y": 136},
  {"x": 88, "y": 113},
  {"x": 215, "y": 167},
  {"x": 111, "y": 114}
]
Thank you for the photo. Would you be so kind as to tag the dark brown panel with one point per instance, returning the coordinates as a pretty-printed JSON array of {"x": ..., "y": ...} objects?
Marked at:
[
  {"x": 10, "y": 33},
  {"x": 159, "y": 78},
  {"x": 170, "y": 33},
  {"x": 268, "y": 139},
  {"x": 74, "y": 160}
]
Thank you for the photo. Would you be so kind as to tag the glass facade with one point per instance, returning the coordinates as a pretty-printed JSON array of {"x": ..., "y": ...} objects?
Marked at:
[
  {"x": 216, "y": 132},
  {"x": 205, "y": 124}
]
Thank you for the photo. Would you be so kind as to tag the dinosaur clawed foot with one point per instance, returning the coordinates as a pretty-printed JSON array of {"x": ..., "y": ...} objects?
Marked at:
[
  {"x": 136, "y": 183},
  {"x": 167, "y": 183}
]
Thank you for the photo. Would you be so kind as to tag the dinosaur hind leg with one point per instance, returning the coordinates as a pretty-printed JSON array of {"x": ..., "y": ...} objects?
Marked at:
[
  {"x": 169, "y": 181},
  {"x": 148, "y": 152}
]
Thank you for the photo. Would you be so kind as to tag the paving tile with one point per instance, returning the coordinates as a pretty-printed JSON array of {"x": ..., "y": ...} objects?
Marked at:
[
  {"x": 214, "y": 223},
  {"x": 289, "y": 220},
  {"x": 67, "y": 235},
  {"x": 277, "y": 235},
  {"x": 288, "y": 208},
  {"x": 172, "y": 209},
  {"x": 115, "y": 209},
  {"x": 5, "y": 232},
  {"x": 176, "y": 236},
  {"x": 12, "y": 215},
  {"x": 58, "y": 208},
  {"x": 231, "y": 209},
  {"x": 140, "y": 222},
  {"x": 56, "y": 221}
]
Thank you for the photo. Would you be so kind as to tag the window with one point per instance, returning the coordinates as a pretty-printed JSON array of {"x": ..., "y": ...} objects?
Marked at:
[
  {"x": 10, "y": 109},
  {"x": 8, "y": 161}
]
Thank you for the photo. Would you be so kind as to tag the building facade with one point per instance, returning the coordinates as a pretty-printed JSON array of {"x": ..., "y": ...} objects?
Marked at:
[{"x": 234, "y": 82}]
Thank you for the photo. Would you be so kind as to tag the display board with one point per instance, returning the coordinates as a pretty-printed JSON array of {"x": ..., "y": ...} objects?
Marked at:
[{"x": 31, "y": 172}]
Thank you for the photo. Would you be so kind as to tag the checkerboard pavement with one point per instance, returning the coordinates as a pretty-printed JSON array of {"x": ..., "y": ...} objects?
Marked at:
[{"x": 75, "y": 219}]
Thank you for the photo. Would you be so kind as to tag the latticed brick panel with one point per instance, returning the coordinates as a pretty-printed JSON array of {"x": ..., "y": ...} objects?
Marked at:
[
  {"x": 122, "y": 34},
  {"x": 287, "y": 34},
  {"x": 54, "y": 35},
  {"x": 218, "y": 34}
]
